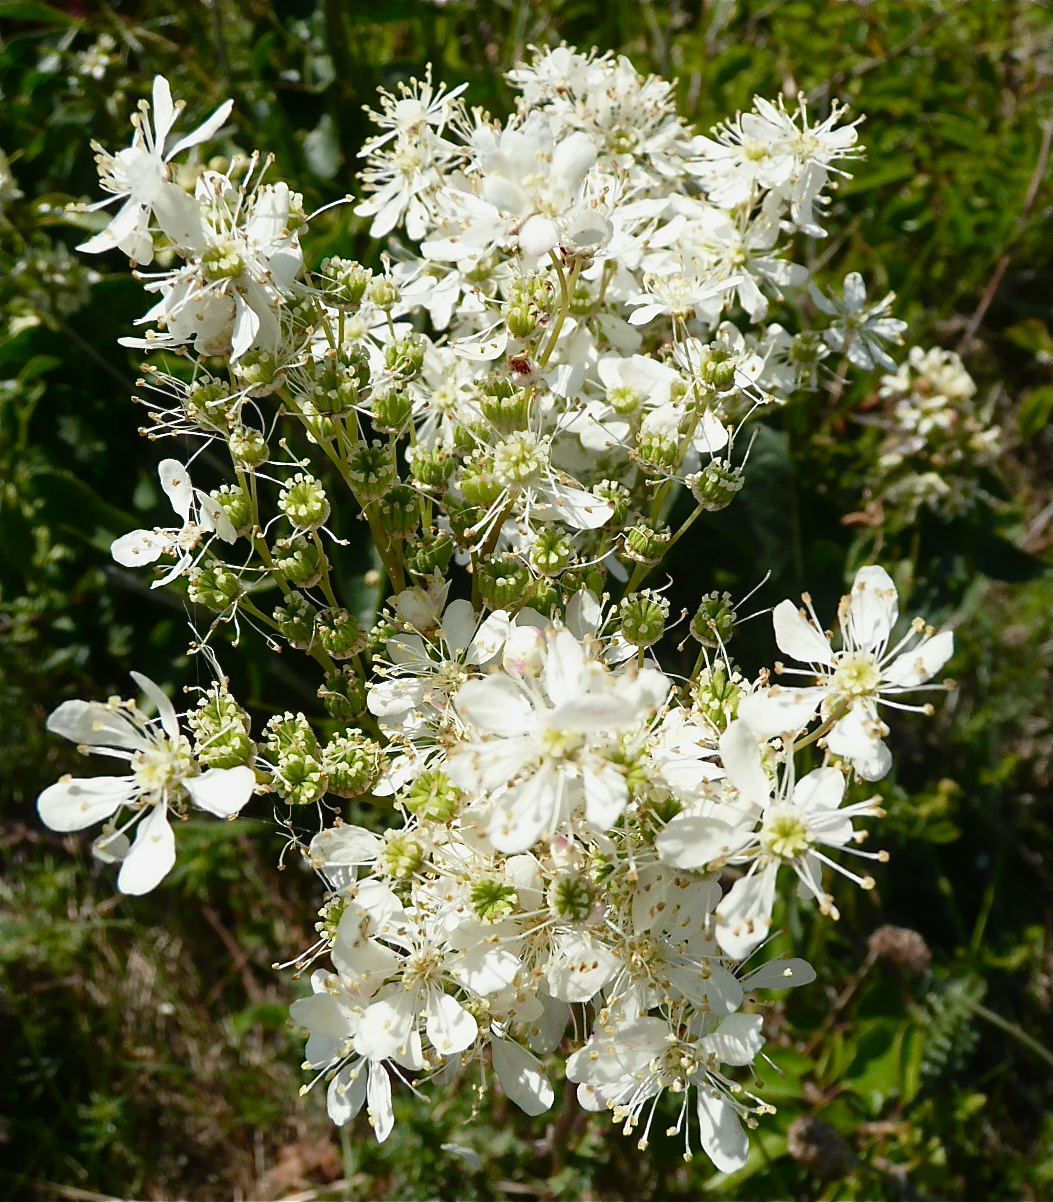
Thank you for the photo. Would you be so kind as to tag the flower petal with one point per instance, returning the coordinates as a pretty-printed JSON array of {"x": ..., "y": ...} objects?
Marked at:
[
  {"x": 915, "y": 667},
  {"x": 378, "y": 1101},
  {"x": 165, "y": 709},
  {"x": 449, "y": 1026},
  {"x": 723, "y": 1138},
  {"x": 872, "y": 609},
  {"x": 780, "y": 710},
  {"x": 823, "y": 789},
  {"x": 346, "y": 1093},
  {"x": 693, "y": 842},
  {"x": 798, "y": 638},
  {"x": 205, "y": 130},
  {"x": 521, "y": 1076},
  {"x": 780, "y": 974},
  {"x": 71, "y": 805},
  {"x": 221, "y": 791},
  {"x": 738, "y": 1039},
  {"x": 96, "y": 725},
  {"x": 152, "y": 855}
]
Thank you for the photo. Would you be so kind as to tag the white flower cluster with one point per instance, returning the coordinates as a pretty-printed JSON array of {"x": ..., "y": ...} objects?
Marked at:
[
  {"x": 566, "y": 344},
  {"x": 936, "y": 437}
]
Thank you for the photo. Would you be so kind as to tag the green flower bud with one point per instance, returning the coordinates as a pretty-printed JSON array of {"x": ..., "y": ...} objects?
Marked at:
[
  {"x": 383, "y": 292},
  {"x": 545, "y": 596},
  {"x": 343, "y": 695},
  {"x": 717, "y": 695},
  {"x": 467, "y": 438},
  {"x": 462, "y": 518},
  {"x": 299, "y": 778},
  {"x": 400, "y": 856},
  {"x": 299, "y": 561},
  {"x": 352, "y": 762},
  {"x": 399, "y": 511},
  {"x": 624, "y": 399},
  {"x": 433, "y": 797},
  {"x": 248, "y": 447},
  {"x": 321, "y": 427},
  {"x": 493, "y": 899},
  {"x": 503, "y": 405},
  {"x": 221, "y": 730},
  {"x": 257, "y": 371},
  {"x": 221, "y": 261},
  {"x": 235, "y": 503},
  {"x": 340, "y": 633},
  {"x": 520, "y": 318},
  {"x": 714, "y": 622},
  {"x": 716, "y": 486},
  {"x": 657, "y": 451},
  {"x": 477, "y": 482},
  {"x": 431, "y": 466},
  {"x": 808, "y": 348},
  {"x": 332, "y": 387},
  {"x": 582, "y": 300},
  {"x": 288, "y": 732},
  {"x": 304, "y": 503},
  {"x": 429, "y": 553},
  {"x": 504, "y": 582},
  {"x": 405, "y": 356},
  {"x": 717, "y": 369},
  {"x": 643, "y": 617},
  {"x": 295, "y": 621},
  {"x": 380, "y": 634},
  {"x": 372, "y": 470},
  {"x": 329, "y": 916},
  {"x": 550, "y": 553},
  {"x": 570, "y": 896},
  {"x": 214, "y": 586},
  {"x": 646, "y": 543},
  {"x": 575, "y": 580},
  {"x": 210, "y": 405},
  {"x": 519, "y": 459},
  {"x": 304, "y": 313},
  {"x": 343, "y": 282},
  {"x": 617, "y": 495},
  {"x": 392, "y": 409}
]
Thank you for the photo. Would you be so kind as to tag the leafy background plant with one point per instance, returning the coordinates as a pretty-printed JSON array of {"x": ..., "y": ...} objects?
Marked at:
[{"x": 148, "y": 1052}]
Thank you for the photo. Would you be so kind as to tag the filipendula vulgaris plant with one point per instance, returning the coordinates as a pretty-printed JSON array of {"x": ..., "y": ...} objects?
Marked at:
[{"x": 574, "y": 335}]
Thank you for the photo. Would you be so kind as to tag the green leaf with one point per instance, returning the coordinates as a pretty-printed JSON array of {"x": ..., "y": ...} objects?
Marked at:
[
  {"x": 35, "y": 10},
  {"x": 67, "y": 503},
  {"x": 1035, "y": 411},
  {"x": 996, "y": 557}
]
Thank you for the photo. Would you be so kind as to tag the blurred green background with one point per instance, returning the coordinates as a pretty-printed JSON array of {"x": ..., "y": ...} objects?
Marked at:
[{"x": 146, "y": 1047}]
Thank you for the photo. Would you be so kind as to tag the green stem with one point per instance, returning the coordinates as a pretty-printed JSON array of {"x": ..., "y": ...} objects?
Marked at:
[{"x": 1010, "y": 1028}]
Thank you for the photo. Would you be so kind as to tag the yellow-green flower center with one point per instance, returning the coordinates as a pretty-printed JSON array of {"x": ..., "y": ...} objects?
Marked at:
[
  {"x": 785, "y": 834},
  {"x": 857, "y": 674}
]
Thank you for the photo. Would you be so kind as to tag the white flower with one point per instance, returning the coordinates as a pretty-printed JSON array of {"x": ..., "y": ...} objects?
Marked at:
[
  {"x": 626, "y": 1069},
  {"x": 243, "y": 259},
  {"x": 695, "y": 290},
  {"x": 406, "y": 164},
  {"x": 201, "y": 516},
  {"x": 331, "y": 1016},
  {"x": 859, "y": 328},
  {"x": 163, "y": 774},
  {"x": 765, "y": 823},
  {"x": 538, "y": 741},
  {"x": 852, "y": 682},
  {"x": 531, "y": 195},
  {"x": 141, "y": 177}
]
